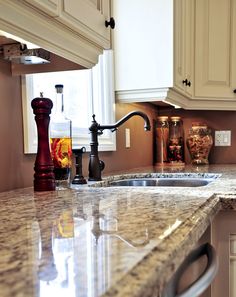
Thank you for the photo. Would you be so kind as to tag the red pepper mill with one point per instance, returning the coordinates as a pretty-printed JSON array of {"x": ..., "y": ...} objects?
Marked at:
[{"x": 44, "y": 178}]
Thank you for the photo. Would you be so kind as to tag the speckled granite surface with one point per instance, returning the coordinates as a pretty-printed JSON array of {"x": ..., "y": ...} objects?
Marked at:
[{"x": 105, "y": 241}]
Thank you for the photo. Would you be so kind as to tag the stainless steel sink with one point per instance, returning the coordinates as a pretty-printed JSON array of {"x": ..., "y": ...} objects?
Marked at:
[{"x": 161, "y": 182}]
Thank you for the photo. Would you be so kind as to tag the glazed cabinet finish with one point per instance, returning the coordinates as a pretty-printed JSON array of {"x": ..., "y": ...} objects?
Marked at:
[
  {"x": 50, "y": 7},
  {"x": 154, "y": 55},
  {"x": 224, "y": 240},
  {"x": 88, "y": 18},
  {"x": 84, "y": 17},
  {"x": 73, "y": 29},
  {"x": 216, "y": 49},
  {"x": 183, "y": 46},
  {"x": 143, "y": 47},
  {"x": 196, "y": 269},
  {"x": 202, "y": 74}
]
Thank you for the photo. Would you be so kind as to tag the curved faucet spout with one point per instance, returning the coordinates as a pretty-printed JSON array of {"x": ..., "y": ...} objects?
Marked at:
[
  {"x": 96, "y": 165},
  {"x": 147, "y": 126}
]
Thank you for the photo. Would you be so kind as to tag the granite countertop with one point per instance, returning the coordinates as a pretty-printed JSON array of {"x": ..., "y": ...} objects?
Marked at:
[{"x": 104, "y": 241}]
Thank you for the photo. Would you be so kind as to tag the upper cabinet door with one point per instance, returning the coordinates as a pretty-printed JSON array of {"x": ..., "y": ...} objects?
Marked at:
[
  {"x": 50, "y": 7},
  {"x": 88, "y": 18},
  {"x": 183, "y": 46},
  {"x": 143, "y": 46},
  {"x": 203, "y": 72},
  {"x": 73, "y": 29},
  {"x": 215, "y": 53}
]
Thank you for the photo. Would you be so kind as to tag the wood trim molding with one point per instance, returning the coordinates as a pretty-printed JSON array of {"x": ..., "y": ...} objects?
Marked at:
[
  {"x": 147, "y": 95},
  {"x": 197, "y": 103},
  {"x": 175, "y": 98}
]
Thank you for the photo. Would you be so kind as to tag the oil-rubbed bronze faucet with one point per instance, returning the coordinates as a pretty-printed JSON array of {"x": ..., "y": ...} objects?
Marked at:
[{"x": 95, "y": 165}]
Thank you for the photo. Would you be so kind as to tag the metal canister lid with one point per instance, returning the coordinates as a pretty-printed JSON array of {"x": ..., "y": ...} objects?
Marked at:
[
  {"x": 162, "y": 118},
  {"x": 175, "y": 119},
  {"x": 199, "y": 124}
]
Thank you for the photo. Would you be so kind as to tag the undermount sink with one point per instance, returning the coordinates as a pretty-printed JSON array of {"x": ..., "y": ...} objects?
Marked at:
[{"x": 161, "y": 182}]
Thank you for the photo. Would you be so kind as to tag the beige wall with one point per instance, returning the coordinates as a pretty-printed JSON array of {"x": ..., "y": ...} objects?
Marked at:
[
  {"x": 216, "y": 120},
  {"x": 14, "y": 166},
  {"x": 17, "y": 169},
  {"x": 140, "y": 152}
]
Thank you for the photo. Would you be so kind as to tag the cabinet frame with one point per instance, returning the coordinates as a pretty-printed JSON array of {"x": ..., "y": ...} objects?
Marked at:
[
  {"x": 187, "y": 16},
  {"x": 21, "y": 19},
  {"x": 222, "y": 227}
]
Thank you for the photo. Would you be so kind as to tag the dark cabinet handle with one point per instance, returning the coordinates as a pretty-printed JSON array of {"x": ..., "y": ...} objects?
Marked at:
[
  {"x": 234, "y": 91},
  {"x": 203, "y": 281},
  {"x": 186, "y": 82},
  {"x": 110, "y": 23}
]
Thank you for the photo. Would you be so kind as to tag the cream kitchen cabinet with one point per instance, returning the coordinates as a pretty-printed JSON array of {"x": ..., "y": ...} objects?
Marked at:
[
  {"x": 143, "y": 49},
  {"x": 88, "y": 19},
  {"x": 73, "y": 29},
  {"x": 183, "y": 46},
  {"x": 224, "y": 241},
  {"x": 178, "y": 51},
  {"x": 195, "y": 270},
  {"x": 149, "y": 62},
  {"x": 215, "y": 54},
  {"x": 50, "y": 7},
  {"x": 85, "y": 17}
]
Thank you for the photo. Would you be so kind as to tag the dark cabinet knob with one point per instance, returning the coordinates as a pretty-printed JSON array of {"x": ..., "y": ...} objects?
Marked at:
[
  {"x": 110, "y": 23},
  {"x": 234, "y": 91},
  {"x": 186, "y": 82}
]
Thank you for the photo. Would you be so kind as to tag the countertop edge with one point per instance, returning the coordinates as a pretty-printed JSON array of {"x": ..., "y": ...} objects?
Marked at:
[{"x": 150, "y": 275}]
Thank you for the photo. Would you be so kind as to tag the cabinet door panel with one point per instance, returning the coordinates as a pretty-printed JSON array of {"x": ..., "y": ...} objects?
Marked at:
[
  {"x": 183, "y": 44},
  {"x": 223, "y": 237},
  {"x": 179, "y": 42},
  {"x": 27, "y": 22},
  {"x": 189, "y": 44},
  {"x": 51, "y": 7},
  {"x": 215, "y": 48},
  {"x": 88, "y": 17}
]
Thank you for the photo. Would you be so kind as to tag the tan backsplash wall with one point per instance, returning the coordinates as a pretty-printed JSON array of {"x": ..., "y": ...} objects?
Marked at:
[
  {"x": 16, "y": 169},
  {"x": 216, "y": 120},
  {"x": 140, "y": 152}
]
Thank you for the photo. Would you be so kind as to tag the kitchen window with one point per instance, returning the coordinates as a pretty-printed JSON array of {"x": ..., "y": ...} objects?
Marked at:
[{"x": 86, "y": 92}]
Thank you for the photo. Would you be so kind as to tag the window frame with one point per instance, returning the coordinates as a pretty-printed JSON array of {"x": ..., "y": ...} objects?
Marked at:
[{"x": 102, "y": 88}]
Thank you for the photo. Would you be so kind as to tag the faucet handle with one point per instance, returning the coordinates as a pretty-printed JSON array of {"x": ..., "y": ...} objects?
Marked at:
[{"x": 100, "y": 132}]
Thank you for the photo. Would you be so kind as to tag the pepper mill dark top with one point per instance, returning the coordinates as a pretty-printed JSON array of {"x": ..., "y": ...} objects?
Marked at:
[{"x": 44, "y": 178}]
